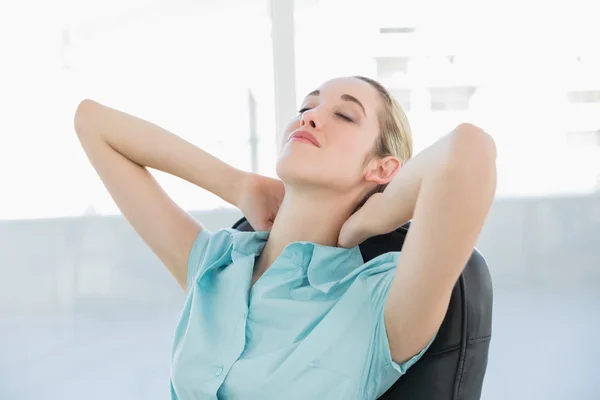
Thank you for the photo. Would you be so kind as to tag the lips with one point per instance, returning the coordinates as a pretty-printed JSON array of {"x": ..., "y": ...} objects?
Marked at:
[{"x": 305, "y": 136}]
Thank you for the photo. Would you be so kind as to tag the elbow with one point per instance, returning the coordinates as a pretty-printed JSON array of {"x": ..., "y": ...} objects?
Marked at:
[
  {"x": 83, "y": 115},
  {"x": 472, "y": 148},
  {"x": 471, "y": 161}
]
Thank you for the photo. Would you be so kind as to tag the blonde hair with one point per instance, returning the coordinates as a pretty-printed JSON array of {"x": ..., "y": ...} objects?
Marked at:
[{"x": 395, "y": 136}]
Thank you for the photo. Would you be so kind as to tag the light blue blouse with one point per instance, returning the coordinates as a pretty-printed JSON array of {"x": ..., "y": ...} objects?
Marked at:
[{"x": 312, "y": 326}]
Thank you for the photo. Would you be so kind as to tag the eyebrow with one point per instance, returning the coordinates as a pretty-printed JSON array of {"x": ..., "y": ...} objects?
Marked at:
[{"x": 345, "y": 97}]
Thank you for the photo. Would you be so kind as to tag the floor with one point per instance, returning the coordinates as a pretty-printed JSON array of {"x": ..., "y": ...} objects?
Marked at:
[{"x": 543, "y": 347}]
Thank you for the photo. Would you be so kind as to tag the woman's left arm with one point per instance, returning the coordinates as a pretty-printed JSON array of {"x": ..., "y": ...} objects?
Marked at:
[{"x": 447, "y": 190}]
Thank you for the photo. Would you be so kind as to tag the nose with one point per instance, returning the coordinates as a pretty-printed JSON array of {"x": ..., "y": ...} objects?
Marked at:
[{"x": 310, "y": 118}]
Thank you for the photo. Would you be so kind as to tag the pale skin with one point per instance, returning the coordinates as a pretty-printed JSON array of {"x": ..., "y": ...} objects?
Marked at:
[{"x": 446, "y": 190}]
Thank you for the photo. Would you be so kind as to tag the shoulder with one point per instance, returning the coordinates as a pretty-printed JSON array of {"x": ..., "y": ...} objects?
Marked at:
[
  {"x": 208, "y": 242},
  {"x": 380, "y": 270},
  {"x": 208, "y": 247},
  {"x": 221, "y": 238},
  {"x": 378, "y": 274},
  {"x": 368, "y": 281}
]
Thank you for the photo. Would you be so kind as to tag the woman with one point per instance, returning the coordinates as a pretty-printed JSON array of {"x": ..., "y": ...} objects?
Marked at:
[{"x": 292, "y": 311}]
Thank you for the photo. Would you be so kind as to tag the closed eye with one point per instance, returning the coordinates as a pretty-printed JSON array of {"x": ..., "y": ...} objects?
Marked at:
[
  {"x": 340, "y": 115},
  {"x": 344, "y": 117}
]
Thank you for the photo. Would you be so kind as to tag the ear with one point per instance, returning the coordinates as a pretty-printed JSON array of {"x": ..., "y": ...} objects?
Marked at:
[{"x": 382, "y": 171}]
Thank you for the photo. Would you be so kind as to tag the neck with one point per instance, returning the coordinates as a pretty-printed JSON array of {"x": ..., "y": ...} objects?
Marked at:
[{"x": 315, "y": 217}]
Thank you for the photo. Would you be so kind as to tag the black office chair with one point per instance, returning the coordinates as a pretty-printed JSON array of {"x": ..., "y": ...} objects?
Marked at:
[{"x": 454, "y": 366}]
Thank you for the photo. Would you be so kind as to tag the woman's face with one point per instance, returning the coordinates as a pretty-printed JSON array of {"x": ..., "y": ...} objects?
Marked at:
[{"x": 326, "y": 145}]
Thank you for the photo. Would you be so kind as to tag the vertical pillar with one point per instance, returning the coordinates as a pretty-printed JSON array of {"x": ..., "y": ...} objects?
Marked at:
[
  {"x": 253, "y": 133},
  {"x": 284, "y": 68}
]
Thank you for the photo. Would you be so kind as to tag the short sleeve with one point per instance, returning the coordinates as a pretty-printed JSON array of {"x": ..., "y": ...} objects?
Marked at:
[
  {"x": 382, "y": 363},
  {"x": 197, "y": 254}
]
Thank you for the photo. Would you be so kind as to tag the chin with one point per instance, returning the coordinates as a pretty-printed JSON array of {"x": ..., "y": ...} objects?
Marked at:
[
  {"x": 312, "y": 176},
  {"x": 298, "y": 165},
  {"x": 301, "y": 173},
  {"x": 294, "y": 170}
]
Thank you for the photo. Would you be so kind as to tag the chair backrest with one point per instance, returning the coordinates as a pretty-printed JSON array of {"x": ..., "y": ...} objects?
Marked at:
[{"x": 454, "y": 366}]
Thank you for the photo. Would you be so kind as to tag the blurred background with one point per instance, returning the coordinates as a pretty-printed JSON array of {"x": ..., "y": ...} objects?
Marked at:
[{"x": 88, "y": 312}]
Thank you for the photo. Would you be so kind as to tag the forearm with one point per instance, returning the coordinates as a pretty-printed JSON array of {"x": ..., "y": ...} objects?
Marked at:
[
  {"x": 149, "y": 145},
  {"x": 401, "y": 195},
  {"x": 450, "y": 208},
  {"x": 455, "y": 163}
]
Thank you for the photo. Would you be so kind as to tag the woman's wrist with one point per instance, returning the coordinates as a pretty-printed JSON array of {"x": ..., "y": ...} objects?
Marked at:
[
  {"x": 235, "y": 182},
  {"x": 392, "y": 212}
]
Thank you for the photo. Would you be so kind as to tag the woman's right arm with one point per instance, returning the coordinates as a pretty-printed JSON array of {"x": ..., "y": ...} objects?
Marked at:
[{"x": 120, "y": 147}]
